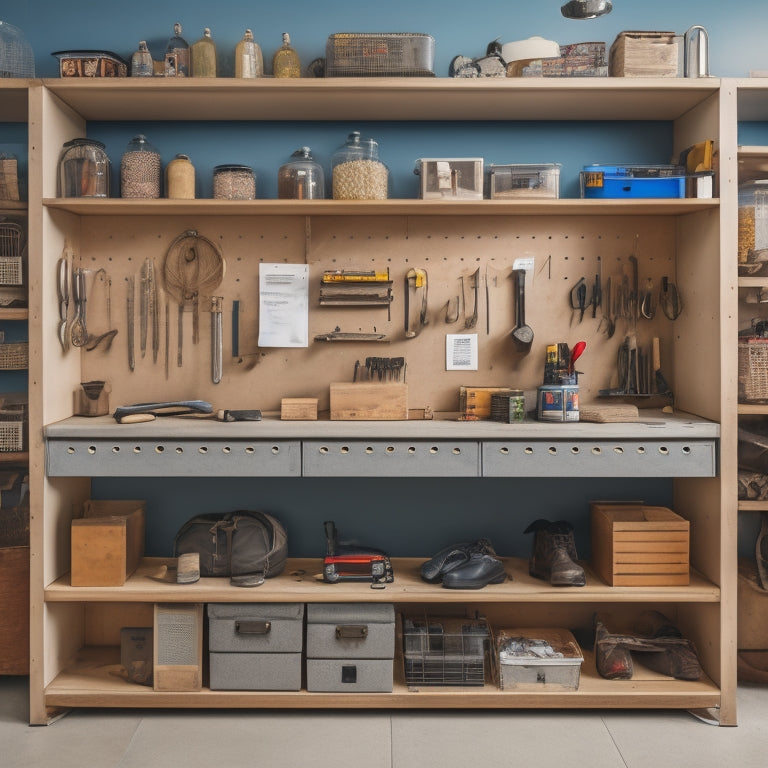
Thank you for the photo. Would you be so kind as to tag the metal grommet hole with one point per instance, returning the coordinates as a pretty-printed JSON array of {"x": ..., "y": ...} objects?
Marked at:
[
  {"x": 575, "y": 450},
  {"x": 70, "y": 450},
  {"x": 203, "y": 449},
  {"x": 179, "y": 450},
  {"x": 137, "y": 449},
  {"x": 434, "y": 449},
  {"x": 411, "y": 449},
  {"x": 597, "y": 450},
  {"x": 663, "y": 450},
  {"x": 115, "y": 449},
  {"x": 552, "y": 450},
  {"x": 390, "y": 449},
  {"x": 249, "y": 449},
  {"x": 226, "y": 449},
  {"x": 369, "y": 449},
  {"x": 345, "y": 449},
  {"x": 504, "y": 451},
  {"x": 456, "y": 451},
  {"x": 528, "y": 450},
  {"x": 91, "y": 449},
  {"x": 618, "y": 449},
  {"x": 640, "y": 449},
  {"x": 275, "y": 449},
  {"x": 687, "y": 450},
  {"x": 159, "y": 449},
  {"x": 323, "y": 449}
]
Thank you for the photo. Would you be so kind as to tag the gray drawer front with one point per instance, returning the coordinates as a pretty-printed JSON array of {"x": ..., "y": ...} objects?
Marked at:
[
  {"x": 391, "y": 458},
  {"x": 172, "y": 458},
  {"x": 350, "y": 675},
  {"x": 597, "y": 458},
  {"x": 255, "y": 671}
]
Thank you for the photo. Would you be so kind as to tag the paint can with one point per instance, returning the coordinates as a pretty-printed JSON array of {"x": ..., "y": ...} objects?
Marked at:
[{"x": 558, "y": 402}]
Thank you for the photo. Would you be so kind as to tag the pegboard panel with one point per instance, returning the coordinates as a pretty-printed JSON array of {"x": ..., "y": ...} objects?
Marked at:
[{"x": 455, "y": 252}]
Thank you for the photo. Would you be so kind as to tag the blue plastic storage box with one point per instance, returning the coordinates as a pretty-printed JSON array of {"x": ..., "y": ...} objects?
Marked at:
[{"x": 632, "y": 181}]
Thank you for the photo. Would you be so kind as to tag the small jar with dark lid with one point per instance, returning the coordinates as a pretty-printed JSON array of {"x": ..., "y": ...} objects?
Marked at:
[
  {"x": 301, "y": 178},
  {"x": 84, "y": 169},
  {"x": 233, "y": 182}
]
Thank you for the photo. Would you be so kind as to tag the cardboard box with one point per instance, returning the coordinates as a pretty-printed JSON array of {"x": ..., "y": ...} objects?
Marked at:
[
  {"x": 534, "y": 659},
  {"x": 369, "y": 402},
  {"x": 107, "y": 543},
  {"x": 475, "y": 402},
  {"x": 634, "y": 545},
  {"x": 645, "y": 54}
]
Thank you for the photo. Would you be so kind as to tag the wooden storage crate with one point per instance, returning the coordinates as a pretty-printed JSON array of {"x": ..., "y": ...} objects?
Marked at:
[
  {"x": 634, "y": 545},
  {"x": 107, "y": 543},
  {"x": 369, "y": 402},
  {"x": 645, "y": 54}
]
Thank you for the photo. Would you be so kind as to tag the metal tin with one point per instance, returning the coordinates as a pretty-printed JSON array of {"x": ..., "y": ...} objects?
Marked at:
[{"x": 558, "y": 402}]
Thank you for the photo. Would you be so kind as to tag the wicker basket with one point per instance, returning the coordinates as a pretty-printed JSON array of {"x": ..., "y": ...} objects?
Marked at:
[
  {"x": 753, "y": 371},
  {"x": 14, "y": 356}
]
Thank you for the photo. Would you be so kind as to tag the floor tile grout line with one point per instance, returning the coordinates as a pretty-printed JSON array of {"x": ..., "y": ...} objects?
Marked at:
[
  {"x": 130, "y": 743},
  {"x": 613, "y": 740}
]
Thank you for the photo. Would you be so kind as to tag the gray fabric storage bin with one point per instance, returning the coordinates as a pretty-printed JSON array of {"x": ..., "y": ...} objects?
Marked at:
[
  {"x": 255, "y": 627},
  {"x": 350, "y": 631},
  {"x": 255, "y": 671},
  {"x": 255, "y": 646},
  {"x": 350, "y": 675}
]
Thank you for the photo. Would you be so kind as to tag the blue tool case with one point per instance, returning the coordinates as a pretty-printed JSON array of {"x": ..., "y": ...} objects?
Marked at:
[{"x": 632, "y": 181}]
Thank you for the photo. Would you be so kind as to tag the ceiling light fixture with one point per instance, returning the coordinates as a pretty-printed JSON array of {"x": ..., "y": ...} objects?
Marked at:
[{"x": 586, "y": 9}]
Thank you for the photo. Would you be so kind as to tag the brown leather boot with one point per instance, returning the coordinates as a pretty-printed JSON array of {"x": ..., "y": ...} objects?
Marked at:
[{"x": 554, "y": 554}]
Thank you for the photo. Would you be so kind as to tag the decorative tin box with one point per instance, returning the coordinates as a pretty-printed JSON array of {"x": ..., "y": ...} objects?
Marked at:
[
  {"x": 451, "y": 178},
  {"x": 255, "y": 646},
  {"x": 91, "y": 64},
  {"x": 391, "y": 54},
  {"x": 538, "y": 659},
  {"x": 524, "y": 181},
  {"x": 350, "y": 647}
]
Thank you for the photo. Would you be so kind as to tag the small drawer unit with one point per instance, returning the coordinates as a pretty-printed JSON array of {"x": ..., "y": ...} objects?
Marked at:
[
  {"x": 524, "y": 181},
  {"x": 451, "y": 178},
  {"x": 350, "y": 647},
  {"x": 255, "y": 646}
]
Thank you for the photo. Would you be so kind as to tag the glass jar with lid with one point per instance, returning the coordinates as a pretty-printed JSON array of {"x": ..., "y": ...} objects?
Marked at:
[
  {"x": 301, "y": 178},
  {"x": 84, "y": 169},
  {"x": 141, "y": 61},
  {"x": 140, "y": 169},
  {"x": 177, "y": 54},
  {"x": 753, "y": 219},
  {"x": 358, "y": 174},
  {"x": 233, "y": 182}
]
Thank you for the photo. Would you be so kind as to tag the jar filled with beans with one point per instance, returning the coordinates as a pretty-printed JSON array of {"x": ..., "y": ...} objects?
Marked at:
[
  {"x": 753, "y": 219},
  {"x": 233, "y": 182},
  {"x": 140, "y": 169},
  {"x": 358, "y": 174}
]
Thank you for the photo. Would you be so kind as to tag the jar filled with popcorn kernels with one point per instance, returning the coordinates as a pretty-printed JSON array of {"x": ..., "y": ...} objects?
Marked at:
[
  {"x": 233, "y": 182},
  {"x": 140, "y": 170},
  {"x": 358, "y": 174}
]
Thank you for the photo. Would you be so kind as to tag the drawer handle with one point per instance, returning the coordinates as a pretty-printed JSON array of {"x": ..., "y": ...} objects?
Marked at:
[
  {"x": 351, "y": 631},
  {"x": 253, "y": 627}
]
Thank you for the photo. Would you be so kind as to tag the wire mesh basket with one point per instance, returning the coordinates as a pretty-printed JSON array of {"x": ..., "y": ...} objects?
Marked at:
[
  {"x": 16, "y": 57},
  {"x": 445, "y": 651},
  {"x": 392, "y": 54},
  {"x": 13, "y": 421},
  {"x": 753, "y": 370},
  {"x": 11, "y": 238},
  {"x": 14, "y": 356}
]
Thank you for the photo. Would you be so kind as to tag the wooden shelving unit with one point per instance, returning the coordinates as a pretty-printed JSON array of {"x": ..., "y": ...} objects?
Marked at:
[{"x": 71, "y": 666}]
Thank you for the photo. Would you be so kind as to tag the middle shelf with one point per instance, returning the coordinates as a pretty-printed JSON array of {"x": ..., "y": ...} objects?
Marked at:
[{"x": 299, "y": 582}]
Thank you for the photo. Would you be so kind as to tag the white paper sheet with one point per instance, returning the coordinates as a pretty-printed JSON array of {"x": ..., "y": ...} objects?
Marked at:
[
  {"x": 461, "y": 352},
  {"x": 283, "y": 305}
]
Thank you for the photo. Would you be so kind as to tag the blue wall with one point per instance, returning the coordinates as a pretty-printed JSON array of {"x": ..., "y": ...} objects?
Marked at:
[
  {"x": 737, "y": 30},
  {"x": 379, "y": 512}
]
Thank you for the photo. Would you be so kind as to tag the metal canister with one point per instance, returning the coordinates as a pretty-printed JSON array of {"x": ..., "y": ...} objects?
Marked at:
[
  {"x": 180, "y": 178},
  {"x": 558, "y": 402}
]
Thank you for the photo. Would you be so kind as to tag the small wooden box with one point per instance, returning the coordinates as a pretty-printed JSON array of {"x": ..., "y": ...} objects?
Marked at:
[
  {"x": 298, "y": 409},
  {"x": 645, "y": 54},
  {"x": 107, "y": 543},
  {"x": 369, "y": 402},
  {"x": 634, "y": 545}
]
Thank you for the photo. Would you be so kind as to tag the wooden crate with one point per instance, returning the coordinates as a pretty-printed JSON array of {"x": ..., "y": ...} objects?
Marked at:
[
  {"x": 107, "y": 543},
  {"x": 369, "y": 402},
  {"x": 298, "y": 409},
  {"x": 645, "y": 54},
  {"x": 14, "y": 610},
  {"x": 634, "y": 545}
]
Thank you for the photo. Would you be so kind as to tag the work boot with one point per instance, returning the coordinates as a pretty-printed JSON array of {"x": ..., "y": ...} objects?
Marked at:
[
  {"x": 554, "y": 554},
  {"x": 452, "y": 557}
]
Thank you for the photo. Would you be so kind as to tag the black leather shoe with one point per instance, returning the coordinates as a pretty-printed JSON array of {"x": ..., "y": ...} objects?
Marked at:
[
  {"x": 451, "y": 557},
  {"x": 481, "y": 569}
]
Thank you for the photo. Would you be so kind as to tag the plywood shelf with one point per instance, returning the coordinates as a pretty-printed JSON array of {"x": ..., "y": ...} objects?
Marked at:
[
  {"x": 307, "y": 99},
  {"x": 298, "y": 583},
  {"x": 94, "y": 680}
]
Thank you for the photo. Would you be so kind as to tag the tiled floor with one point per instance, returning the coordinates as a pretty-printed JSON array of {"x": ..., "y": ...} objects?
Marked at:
[{"x": 257, "y": 739}]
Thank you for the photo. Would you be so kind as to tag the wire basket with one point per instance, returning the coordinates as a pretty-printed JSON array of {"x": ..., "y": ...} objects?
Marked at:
[
  {"x": 753, "y": 371},
  {"x": 14, "y": 356},
  {"x": 13, "y": 419},
  {"x": 11, "y": 236},
  {"x": 16, "y": 56},
  {"x": 393, "y": 54},
  {"x": 445, "y": 651}
]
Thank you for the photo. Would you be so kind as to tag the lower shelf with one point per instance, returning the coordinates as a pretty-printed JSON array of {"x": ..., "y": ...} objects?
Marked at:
[{"x": 93, "y": 680}]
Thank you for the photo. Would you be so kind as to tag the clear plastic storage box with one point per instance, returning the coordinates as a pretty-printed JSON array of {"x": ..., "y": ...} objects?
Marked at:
[{"x": 524, "y": 181}]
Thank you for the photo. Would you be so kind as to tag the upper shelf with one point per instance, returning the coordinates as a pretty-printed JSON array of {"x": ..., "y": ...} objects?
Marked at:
[
  {"x": 396, "y": 207},
  {"x": 383, "y": 98},
  {"x": 752, "y": 99}
]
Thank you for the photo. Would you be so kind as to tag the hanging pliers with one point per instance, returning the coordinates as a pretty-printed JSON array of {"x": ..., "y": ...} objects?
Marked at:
[{"x": 579, "y": 298}]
